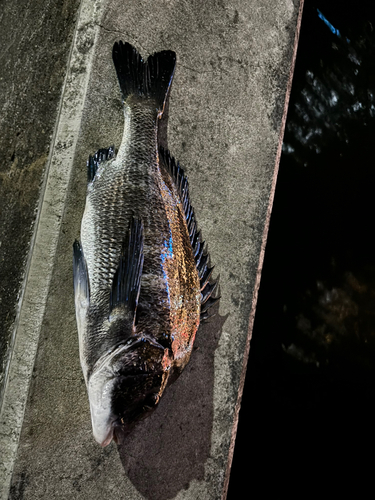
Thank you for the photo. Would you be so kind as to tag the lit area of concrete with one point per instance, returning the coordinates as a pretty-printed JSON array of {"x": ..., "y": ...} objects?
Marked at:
[{"x": 225, "y": 119}]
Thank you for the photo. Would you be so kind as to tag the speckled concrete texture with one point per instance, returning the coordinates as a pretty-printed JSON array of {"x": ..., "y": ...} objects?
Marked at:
[
  {"x": 34, "y": 294},
  {"x": 35, "y": 40},
  {"x": 224, "y": 121}
]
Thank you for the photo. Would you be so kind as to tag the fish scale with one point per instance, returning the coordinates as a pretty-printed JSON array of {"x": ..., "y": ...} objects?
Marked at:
[{"x": 112, "y": 200}]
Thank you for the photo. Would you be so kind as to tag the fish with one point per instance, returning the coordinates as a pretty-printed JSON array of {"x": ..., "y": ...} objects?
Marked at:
[{"x": 142, "y": 274}]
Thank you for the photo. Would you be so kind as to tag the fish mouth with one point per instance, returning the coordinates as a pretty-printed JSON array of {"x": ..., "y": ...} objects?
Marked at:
[
  {"x": 106, "y": 440},
  {"x": 101, "y": 384},
  {"x": 107, "y": 427},
  {"x": 101, "y": 422}
]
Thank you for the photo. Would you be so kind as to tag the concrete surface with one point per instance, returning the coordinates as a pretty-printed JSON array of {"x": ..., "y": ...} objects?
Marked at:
[
  {"x": 35, "y": 42},
  {"x": 225, "y": 120}
]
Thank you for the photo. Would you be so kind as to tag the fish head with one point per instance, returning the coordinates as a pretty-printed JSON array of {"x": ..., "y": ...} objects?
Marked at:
[{"x": 126, "y": 387}]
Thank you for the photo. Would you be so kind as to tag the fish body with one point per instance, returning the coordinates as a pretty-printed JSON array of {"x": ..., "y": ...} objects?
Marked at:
[{"x": 140, "y": 273}]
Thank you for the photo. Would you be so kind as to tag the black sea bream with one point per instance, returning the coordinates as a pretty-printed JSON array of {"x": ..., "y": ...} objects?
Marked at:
[{"x": 141, "y": 276}]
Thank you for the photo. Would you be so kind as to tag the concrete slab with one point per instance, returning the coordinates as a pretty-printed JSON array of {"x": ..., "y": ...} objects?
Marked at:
[
  {"x": 35, "y": 41},
  {"x": 225, "y": 120},
  {"x": 43, "y": 248}
]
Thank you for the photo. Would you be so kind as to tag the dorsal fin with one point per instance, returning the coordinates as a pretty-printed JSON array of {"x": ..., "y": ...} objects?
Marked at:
[
  {"x": 127, "y": 279},
  {"x": 96, "y": 159},
  {"x": 201, "y": 256}
]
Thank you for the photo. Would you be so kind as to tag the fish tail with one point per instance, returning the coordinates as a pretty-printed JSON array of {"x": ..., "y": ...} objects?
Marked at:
[{"x": 147, "y": 79}]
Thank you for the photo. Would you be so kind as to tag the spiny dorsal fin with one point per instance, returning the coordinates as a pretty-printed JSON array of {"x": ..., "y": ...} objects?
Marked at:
[
  {"x": 149, "y": 79},
  {"x": 201, "y": 256},
  {"x": 209, "y": 303},
  {"x": 127, "y": 279},
  {"x": 99, "y": 157},
  {"x": 206, "y": 276},
  {"x": 208, "y": 291}
]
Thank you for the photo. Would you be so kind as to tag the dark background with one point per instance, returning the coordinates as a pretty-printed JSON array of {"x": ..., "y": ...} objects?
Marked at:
[{"x": 308, "y": 416}]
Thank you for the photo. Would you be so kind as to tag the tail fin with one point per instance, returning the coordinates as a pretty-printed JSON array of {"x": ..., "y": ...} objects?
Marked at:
[{"x": 149, "y": 79}]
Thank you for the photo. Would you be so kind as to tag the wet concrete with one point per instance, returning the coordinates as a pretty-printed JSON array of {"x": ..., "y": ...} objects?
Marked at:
[{"x": 225, "y": 118}]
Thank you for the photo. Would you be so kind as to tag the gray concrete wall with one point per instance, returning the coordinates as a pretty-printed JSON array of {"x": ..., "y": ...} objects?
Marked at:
[{"x": 225, "y": 121}]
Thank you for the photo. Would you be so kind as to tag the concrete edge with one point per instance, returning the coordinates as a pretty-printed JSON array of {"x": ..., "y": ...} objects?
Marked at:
[
  {"x": 34, "y": 293},
  {"x": 261, "y": 256}
]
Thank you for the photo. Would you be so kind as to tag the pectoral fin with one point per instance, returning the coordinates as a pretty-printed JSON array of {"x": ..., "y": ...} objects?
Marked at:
[
  {"x": 81, "y": 285},
  {"x": 127, "y": 279}
]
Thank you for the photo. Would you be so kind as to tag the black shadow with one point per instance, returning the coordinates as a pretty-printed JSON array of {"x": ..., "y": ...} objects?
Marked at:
[{"x": 169, "y": 449}]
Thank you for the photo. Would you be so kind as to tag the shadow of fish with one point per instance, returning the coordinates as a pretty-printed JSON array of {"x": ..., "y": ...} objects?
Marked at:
[{"x": 141, "y": 275}]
